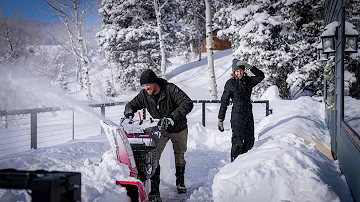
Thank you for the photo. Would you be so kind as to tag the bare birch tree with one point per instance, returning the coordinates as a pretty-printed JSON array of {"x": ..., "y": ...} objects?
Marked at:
[
  {"x": 209, "y": 41},
  {"x": 74, "y": 12}
]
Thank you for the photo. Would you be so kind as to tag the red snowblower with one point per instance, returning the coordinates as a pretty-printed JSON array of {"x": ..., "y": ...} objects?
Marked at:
[{"x": 134, "y": 144}]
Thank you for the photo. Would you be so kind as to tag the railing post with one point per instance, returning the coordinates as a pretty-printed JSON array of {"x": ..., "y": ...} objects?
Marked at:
[
  {"x": 144, "y": 113},
  {"x": 267, "y": 108},
  {"x": 203, "y": 113},
  {"x": 33, "y": 139},
  {"x": 73, "y": 124},
  {"x": 103, "y": 114},
  {"x": 4, "y": 121}
]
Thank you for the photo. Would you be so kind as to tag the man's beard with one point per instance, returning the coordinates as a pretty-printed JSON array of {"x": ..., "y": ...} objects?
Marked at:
[{"x": 150, "y": 91}]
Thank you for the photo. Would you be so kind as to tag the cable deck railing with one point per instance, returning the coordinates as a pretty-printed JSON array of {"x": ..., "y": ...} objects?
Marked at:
[{"x": 25, "y": 129}]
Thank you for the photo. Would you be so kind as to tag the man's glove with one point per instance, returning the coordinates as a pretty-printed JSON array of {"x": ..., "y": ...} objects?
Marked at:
[
  {"x": 221, "y": 125},
  {"x": 128, "y": 115},
  {"x": 165, "y": 122}
]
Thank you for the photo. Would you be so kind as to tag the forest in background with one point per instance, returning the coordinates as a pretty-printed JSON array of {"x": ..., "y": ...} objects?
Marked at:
[{"x": 279, "y": 38}]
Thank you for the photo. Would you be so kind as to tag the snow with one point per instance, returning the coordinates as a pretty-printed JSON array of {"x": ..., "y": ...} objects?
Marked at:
[
  {"x": 350, "y": 29},
  {"x": 271, "y": 94},
  {"x": 330, "y": 29},
  {"x": 285, "y": 163}
]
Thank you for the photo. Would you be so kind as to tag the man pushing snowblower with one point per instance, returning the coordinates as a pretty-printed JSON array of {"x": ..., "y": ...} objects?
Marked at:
[{"x": 167, "y": 102}]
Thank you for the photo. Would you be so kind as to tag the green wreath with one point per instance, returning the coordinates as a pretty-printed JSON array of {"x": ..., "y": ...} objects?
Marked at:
[{"x": 330, "y": 79}]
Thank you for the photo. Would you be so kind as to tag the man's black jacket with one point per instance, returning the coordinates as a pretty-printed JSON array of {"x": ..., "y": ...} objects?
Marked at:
[
  {"x": 239, "y": 90},
  {"x": 173, "y": 103}
]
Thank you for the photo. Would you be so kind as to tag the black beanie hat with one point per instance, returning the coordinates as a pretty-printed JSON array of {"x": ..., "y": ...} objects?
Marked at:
[{"x": 148, "y": 76}]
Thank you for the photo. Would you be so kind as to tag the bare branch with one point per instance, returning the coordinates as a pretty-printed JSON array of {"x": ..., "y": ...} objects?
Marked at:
[
  {"x": 142, "y": 20},
  {"x": 87, "y": 9},
  {"x": 59, "y": 9},
  {"x": 62, "y": 44},
  {"x": 199, "y": 15},
  {"x": 160, "y": 7},
  {"x": 66, "y": 25},
  {"x": 51, "y": 15}
]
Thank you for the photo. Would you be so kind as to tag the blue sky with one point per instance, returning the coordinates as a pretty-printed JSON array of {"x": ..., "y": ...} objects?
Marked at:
[{"x": 30, "y": 9}]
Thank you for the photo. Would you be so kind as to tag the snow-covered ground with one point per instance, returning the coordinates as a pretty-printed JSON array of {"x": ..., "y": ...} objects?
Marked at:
[{"x": 283, "y": 165}]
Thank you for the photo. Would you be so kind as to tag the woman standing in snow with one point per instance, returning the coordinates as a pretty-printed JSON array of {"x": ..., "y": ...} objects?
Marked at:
[{"x": 239, "y": 88}]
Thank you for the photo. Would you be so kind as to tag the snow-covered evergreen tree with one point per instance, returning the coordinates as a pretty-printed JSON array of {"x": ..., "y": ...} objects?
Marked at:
[
  {"x": 193, "y": 29},
  {"x": 62, "y": 79},
  {"x": 130, "y": 39},
  {"x": 279, "y": 38},
  {"x": 166, "y": 26},
  {"x": 193, "y": 22},
  {"x": 353, "y": 67},
  {"x": 110, "y": 91}
]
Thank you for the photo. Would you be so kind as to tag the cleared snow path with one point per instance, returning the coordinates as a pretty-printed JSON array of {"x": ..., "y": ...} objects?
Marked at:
[{"x": 201, "y": 167}]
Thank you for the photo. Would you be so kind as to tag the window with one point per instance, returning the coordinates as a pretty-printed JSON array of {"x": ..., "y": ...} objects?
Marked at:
[{"x": 352, "y": 74}]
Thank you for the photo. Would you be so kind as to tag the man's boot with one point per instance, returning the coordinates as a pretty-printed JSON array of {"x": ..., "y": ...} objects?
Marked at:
[
  {"x": 180, "y": 184},
  {"x": 154, "y": 195}
]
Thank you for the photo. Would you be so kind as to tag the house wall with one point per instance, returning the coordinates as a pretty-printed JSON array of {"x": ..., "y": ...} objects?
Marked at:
[
  {"x": 332, "y": 10},
  {"x": 345, "y": 144},
  {"x": 218, "y": 44}
]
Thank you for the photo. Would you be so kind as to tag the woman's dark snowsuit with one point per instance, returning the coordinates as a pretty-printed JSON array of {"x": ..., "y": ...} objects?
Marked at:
[{"x": 242, "y": 120}]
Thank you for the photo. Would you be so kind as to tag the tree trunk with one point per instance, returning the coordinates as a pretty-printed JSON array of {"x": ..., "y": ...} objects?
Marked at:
[
  {"x": 73, "y": 49},
  {"x": 161, "y": 39},
  {"x": 199, "y": 38},
  {"x": 84, "y": 62},
  {"x": 213, "y": 90}
]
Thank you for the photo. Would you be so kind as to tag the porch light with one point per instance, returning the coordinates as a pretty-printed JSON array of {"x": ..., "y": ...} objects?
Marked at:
[
  {"x": 351, "y": 38},
  {"x": 330, "y": 34},
  {"x": 328, "y": 37},
  {"x": 321, "y": 56}
]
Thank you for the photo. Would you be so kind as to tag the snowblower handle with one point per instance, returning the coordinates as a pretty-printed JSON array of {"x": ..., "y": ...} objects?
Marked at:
[
  {"x": 141, "y": 120},
  {"x": 123, "y": 119}
]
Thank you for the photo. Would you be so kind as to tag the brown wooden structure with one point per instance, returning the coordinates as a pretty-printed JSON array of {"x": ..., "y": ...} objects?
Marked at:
[{"x": 218, "y": 44}]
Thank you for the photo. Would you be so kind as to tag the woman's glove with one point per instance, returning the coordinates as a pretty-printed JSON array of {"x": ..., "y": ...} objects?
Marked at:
[
  {"x": 221, "y": 125},
  {"x": 243, "y": 63}
]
